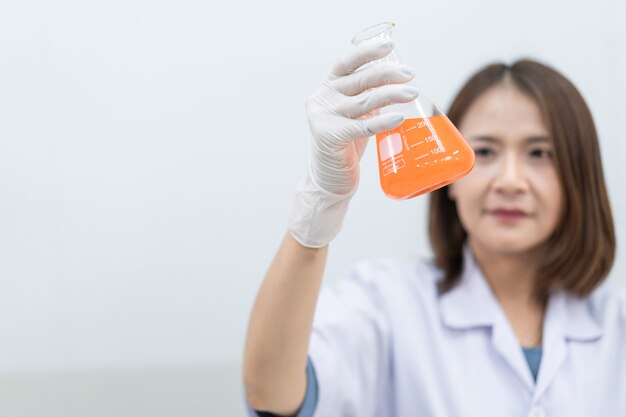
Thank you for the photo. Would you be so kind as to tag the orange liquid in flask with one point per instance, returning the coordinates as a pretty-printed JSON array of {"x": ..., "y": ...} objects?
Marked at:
[{"x": 421, "y": 155}]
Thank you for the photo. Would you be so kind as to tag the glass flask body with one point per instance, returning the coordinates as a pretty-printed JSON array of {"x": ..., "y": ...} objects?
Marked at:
[{"x": 426, "y": 151}]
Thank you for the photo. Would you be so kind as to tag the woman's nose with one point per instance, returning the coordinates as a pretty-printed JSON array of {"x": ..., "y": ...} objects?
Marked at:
[{"x": 510, "y": 178}]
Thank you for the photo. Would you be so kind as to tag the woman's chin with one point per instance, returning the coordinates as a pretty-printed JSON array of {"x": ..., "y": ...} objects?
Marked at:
[{"x": 508, "y": 245}]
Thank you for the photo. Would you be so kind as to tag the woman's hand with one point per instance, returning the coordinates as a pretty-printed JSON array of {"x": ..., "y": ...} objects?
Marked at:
[{"x": 342, "y": 114}]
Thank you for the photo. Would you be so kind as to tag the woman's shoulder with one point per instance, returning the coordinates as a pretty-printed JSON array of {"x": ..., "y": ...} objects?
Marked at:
[
  {"x": 392, "y": 274},
  {"x": 608, "y": 303}
]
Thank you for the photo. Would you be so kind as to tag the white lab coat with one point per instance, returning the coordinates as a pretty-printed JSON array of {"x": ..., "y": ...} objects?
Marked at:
[{"x": 384, "y": 343}]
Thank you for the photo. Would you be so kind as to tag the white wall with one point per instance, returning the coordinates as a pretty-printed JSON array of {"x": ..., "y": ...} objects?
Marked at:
[{"x": 148, "y": 150}]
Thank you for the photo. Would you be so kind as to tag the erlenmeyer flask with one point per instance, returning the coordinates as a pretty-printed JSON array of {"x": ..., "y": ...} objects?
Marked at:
[{"x": 426, "y": 151}]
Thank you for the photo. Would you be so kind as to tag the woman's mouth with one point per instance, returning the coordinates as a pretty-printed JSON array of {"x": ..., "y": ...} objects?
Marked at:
[{"x": 508, "y": 215}]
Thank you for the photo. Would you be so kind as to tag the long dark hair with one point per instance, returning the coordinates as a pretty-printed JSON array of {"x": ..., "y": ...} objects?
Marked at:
[{"x": 580, "y": 253}]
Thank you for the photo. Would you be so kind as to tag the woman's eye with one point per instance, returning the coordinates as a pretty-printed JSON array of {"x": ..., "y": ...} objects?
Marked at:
[
  {"x": 483, "y": 152},
  {"x": 541, "y": 153}
]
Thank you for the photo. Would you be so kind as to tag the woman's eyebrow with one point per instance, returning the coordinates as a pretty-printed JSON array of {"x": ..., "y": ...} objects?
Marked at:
[
  {"x": 484, "y": 138},
  {"x": 528, "y": 140},
  {"x": 536, "y": 139}
]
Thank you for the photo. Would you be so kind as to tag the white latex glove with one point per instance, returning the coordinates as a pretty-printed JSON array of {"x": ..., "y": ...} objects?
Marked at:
[{"x": 342, "y": 114}]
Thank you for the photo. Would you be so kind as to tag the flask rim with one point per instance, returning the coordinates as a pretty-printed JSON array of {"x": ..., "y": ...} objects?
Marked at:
[{"x": 372, "y": 32}]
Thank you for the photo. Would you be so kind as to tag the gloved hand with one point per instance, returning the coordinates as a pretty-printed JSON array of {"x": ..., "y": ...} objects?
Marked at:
[{"x": 342, "y": 114}]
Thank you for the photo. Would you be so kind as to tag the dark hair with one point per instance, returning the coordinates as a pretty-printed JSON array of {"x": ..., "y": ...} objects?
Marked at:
[{"x": 580, "y": 253}]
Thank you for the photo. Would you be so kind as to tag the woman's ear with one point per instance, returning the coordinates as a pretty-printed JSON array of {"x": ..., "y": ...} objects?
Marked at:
[{"x": 451, "y": 192}]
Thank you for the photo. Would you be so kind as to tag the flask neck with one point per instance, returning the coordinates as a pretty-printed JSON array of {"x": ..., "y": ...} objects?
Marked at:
[{"x": 378, "y": 33}]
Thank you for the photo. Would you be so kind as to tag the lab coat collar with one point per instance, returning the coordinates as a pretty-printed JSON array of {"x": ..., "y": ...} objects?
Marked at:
[
  {"x": 471, "y": 303},
  {"x": 576, "y": 317}
]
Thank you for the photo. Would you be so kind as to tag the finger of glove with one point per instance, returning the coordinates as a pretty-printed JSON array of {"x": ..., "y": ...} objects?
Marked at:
[
  {"x": 378, "y": 124},
  {"x": 355, "y": 130},
  {"x": 374, "y": 76},
  {"x": 357, "y": 106},
  {"x": 360, "y": 129},
  {"x": 361, "y": 55}
]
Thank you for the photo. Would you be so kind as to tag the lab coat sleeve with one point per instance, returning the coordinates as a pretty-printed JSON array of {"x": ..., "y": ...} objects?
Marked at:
[
  {"x": 350, "y": 346},
  {"x": 310, "y": 398},
  {"x": 622, "y": 345},
  {"x": 622, "y": 320}
]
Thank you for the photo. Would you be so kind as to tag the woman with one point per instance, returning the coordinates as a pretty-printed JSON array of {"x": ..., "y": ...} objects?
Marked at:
[{"x": 508, "y": 319}]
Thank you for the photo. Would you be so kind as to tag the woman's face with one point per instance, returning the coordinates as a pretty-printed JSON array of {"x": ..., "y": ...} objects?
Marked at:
[{"x": 511, "y": 201}]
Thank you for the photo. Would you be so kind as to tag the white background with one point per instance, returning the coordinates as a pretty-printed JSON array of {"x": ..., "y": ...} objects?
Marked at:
[{"x": 149, "y": 149}]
